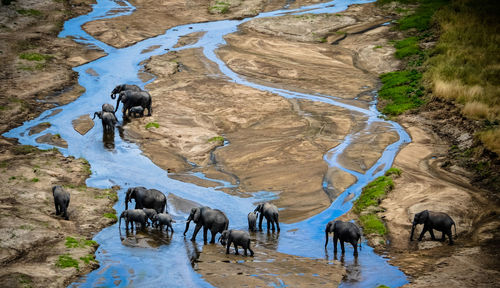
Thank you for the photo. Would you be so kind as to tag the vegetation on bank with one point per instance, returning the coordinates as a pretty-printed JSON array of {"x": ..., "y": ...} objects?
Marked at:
[{"x": 366, "y": 206}]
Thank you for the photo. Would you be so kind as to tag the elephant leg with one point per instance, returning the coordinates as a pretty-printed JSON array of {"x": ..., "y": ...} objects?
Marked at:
[
  {"x": 205, "y": 229},
  {"x": 171, "y": 229},
  {"x": 235, "y": 249},
  {"x": 432, "y": 234},
  {"x": 260, "y": 221},
  {"x": 213, "y": 232},
  {"x": 422, "y": 233},
  {"x": 227, "y": 247},
  {"x": 335, "y": 238},
  {"x": 355, "y": 246},
  {"x": 196, "y": 229},
  {"x": 245, "y": 251},
  {"x": 57, "y": 208},
  {"x": 65, "y": 213},
  {"x": 251, "y": 252},
  {"x": 443, "y": 236},
  {"x": 342, "y": 246},
  {"x": 268, "y": 224},
  {"x": 278, "y": 225},
  {"x": 450, "y": 236},
  {"x": 272, "y": 224}
]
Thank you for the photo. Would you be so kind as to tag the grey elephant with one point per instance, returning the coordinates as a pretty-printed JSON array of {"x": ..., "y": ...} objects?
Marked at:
[
  {"x": 210, "y": 219},
  {"x": 106, "y": 107},
  {"x": 252, "y": 221},
  {"x": 61, "y": 201},
  {"x": 124, "y": 87},
  {"x": 136, "y": 110},
  {"x": 150, "y": 213},
  {"x": 134, "y": 98},
  {"x": 434, "y": 220},
  {"x": 108, "y": 120},
  {"x": 269, "y": 211},
  {"x": 137, "y": 216},
  {"x": 238, "y": 238},
  {"x": 146, "y": 198},
  {"x": 162, "y": 219},
  {"x": 345, "y": 232}
]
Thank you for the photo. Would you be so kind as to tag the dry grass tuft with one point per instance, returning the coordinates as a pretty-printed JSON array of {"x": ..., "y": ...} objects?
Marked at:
[
  {"x": 476, "y": 110},
  {"x": 454, "y": 90},
  {"x": 491, "y": 139}
]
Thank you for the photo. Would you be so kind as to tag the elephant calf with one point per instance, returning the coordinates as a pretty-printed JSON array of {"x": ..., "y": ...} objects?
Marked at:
[
  {"x": 269, "y": 211},
  {"x": 136, "y": 110},
  {"x": 61, "y": 201},
  {"x": 345, "y": 232},
  {"x": 434, "y": 220},
  {"x": 252, "y": 221},
  {"x": 238, "y": 238},
  {"x": 133, "y": 216},
  {"x": 163, "y": 219},
  {"x": 150, "y": 214}
]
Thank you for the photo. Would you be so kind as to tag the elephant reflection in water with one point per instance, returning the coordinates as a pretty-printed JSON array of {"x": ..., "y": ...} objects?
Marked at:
[{"x": 193, "y": 252}]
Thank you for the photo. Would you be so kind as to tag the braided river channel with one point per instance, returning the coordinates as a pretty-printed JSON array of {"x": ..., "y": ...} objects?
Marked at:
[{"x": 168, "y": 261}]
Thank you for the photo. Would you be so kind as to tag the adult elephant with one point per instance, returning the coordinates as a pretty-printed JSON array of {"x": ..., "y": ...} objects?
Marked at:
[
  {"x": 210, "y": 219},
  {"x": 146, "y": 198},
  {"x": 434, "y": 220},
  {"x": 269, "y": 211},
  {"x": 134, "y": 98},
  {"x": 345, "y": 232},
  {"x": 124, "y": 87}
]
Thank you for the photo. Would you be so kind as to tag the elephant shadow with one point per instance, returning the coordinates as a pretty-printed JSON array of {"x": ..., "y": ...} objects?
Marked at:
[
  {"x": 108, "y": 140},
  {"x": 193, "y": 252}
]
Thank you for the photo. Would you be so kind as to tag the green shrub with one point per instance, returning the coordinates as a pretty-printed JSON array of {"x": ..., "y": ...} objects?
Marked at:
[
  {"x": 393, "y": 171},
  {"x": 220, "y": 7},
  {"x": 152, "y": 124},
  {"x": 216, "y": 139},
  {"x": 34, "y": 56},
  {"x": 372, "y": 224},
  {"x": 29, "y": 12},
  {"x": 402, "y": 91},
  {"x": 373, "y": 193},
  {"x": 110, "y": 216},
  {"x": 407, "y": 47},
  {"x": 79, "y": 243},
  {"x": 87, "y": 258}
]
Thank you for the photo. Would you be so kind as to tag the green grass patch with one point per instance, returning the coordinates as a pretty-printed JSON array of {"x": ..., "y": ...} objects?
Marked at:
[
  {"x": 373, "y": 193},
  {"x": 152, "y": 124},
  {"x": 29, "y": 12},
  {"x": 79, "y": 243},
  {"x": 3, "y": 108},
  {"x": 110, "y": 216},
  {"x": 87, "y": 258},
  {"x": 216, "y": 139},
  {"x": 393, "y": 171},
  {"x": 110, "y": 194},
  {"x": 382, "y": 286},
  {"x": 66, "y": 261},
  {"x": 220, "y": 7},
  {"x": 34, "y": 56},
  {"x": 402, "y": 91},
  {"x": 372, "y": 224},
  {"x": 12, "y": 178},
  {"x": 34, "y": 180},
  {"x": 407, "y": 47}
]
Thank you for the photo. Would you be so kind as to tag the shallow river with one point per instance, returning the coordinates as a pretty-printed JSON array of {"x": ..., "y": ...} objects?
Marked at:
[{"x": 148, "y": 260}]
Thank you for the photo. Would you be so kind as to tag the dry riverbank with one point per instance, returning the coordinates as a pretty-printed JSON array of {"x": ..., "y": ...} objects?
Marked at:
[{"x": 39, "y": 249}]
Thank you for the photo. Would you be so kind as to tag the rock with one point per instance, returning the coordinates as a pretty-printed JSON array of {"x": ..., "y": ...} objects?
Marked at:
[
  {"x": 83, "y": 124},
  {"x": 51, "y": 139},
  {"x": 39, "y": 128}
]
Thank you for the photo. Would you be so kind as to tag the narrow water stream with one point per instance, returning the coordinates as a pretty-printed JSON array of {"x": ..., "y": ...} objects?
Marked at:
[{"x": 148, "y": 260}]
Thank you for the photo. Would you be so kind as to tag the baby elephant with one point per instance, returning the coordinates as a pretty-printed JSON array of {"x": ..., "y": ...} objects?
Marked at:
[
  {"x": 133, "y": 216},
  {"x": 345, "y": 232},
  {"x": 150, "y": 213},
  {"x": 252, "y": 221},
  {"x": 434, "y": 220},
  {"x": 61, "y": 200},
  {"x": 136, "y": 110},
  {"x": 238, "y": 238},
  {"x": 163, "y": 219}
]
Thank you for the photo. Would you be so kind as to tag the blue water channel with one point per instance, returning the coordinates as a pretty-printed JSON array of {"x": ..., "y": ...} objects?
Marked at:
[{"x": 167, "y": 262}]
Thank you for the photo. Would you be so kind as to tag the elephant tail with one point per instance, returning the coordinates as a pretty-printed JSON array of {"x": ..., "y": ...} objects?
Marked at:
[
  {"x": 326, "y": 238},
  {"x": 455, "y": 229}
]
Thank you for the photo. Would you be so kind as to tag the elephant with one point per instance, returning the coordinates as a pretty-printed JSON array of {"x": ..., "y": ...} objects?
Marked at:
[
  {"x": 61, "y": 201},
  {"x": 133, "y": 216},
  {"x": 106, "y": 107},
  {"x": 252, "y": 221},
  {"x": 134, "y": 98},
  {"x": 238, "y": 238},
  {"x": 136, "y": 110},
  {"x": 434, "y": 220},
  {"x": 210, "y": 219},
  {"x": 345, "y": 232},
  {"x": 150, "y": 213},
  {"x": 163, "y": 219},
  {"x": 146, "y": 198},
  {"x": 124, "y": 87},
  {"x": 269, "y": 211},
  {"x": 108, "y": 120}
]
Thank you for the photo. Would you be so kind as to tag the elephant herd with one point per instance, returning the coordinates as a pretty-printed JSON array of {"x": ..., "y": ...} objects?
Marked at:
[
  {"x": 134, "y": 99},
  {"x": 151, "y": 206}
]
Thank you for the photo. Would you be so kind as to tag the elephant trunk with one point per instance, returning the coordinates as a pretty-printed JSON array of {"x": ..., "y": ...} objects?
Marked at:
[
  {"x": 118, "y": 102},
  {"x": 113, "y": 96},
  {"x": 95, "y": 113},
  {"x": 187, "y": 227},
  {"x": 120, "y": 222},
  {"x": 412, "y": 230}
]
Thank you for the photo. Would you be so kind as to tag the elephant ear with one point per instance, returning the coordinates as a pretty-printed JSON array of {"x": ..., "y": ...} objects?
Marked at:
[{"x": 197, "y": 214}]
